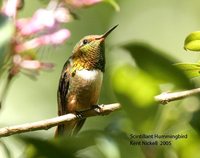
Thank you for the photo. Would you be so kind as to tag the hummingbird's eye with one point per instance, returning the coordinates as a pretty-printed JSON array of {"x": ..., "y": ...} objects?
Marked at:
[{"x": 85, "y": 41}]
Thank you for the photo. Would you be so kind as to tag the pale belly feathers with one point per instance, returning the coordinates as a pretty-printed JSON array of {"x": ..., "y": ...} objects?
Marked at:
[{"x": 85, "y": 90}]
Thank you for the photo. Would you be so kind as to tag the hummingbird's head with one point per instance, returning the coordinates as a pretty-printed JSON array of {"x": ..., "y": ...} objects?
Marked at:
[
  {"x": 90, "y": 49},
  {"x": 92, "y": 43}
]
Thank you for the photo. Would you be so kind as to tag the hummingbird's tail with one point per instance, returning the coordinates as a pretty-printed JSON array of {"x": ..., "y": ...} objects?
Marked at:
[{"x": 69, "y": 128}]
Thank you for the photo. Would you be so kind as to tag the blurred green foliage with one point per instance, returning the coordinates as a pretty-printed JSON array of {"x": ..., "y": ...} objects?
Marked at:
[
  {"x": 150, "y": 60},
  {"x": 192, "y": 41},
  {"x": 114, "y": 4},
  {"x": 190, "y": 69},
  {"x": 135, "y": 73},
  {"x": 126, "y": 81}
]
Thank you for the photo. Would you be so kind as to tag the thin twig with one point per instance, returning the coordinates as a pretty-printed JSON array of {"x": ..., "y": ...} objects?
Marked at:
[
  {"x": 105, "y": 110},
  {"x": 164, "y": 98}
]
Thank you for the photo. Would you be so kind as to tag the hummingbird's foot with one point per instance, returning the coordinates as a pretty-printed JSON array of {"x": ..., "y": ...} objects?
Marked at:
[
  {"x": 98, "y": 109},
  {"x": 79, "y": 115}
]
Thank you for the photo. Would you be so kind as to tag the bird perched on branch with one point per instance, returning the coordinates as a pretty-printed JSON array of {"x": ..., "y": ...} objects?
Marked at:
[{"x": 81, "y": 80}]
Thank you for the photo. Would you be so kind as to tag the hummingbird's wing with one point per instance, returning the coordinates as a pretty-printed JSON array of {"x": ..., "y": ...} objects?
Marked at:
[
  {"x": 72, "y": 127},
  {"x": 62, "y": 95},
  {"x": 63, "y": 88}
]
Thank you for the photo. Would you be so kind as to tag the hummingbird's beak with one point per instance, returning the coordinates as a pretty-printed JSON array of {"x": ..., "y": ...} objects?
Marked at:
[{"x": 107, "y": 33}]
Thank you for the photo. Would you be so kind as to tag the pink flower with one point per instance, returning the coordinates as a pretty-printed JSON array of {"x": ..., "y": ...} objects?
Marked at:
[
  {"x": 82, "y": 3},
  {"x": 31, "y": 64},
  {"x": 43, "y": 20},
  {"x": 50, "y": 39},
  {"x": 36, "y": 65},
  {"x": 10, "y": 8}
]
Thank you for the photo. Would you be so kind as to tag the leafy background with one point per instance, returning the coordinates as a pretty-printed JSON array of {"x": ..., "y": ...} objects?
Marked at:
[{"x": 159, "y": 29}]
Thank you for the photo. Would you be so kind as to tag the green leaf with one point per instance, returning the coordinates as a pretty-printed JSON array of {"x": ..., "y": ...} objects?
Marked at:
[
  {"x": 61, "y": 147},
  {"x": 159, "y": 66},
  {"x": 86, "y": 144},
  {"x": 6, "y": 33},
  {"x": 113, "y": 3},
  {"x": 135, "y": 90},
  {"x": 191, "y": 69},
  {"x": 192, "y": 41},
  {"x": 43, "y": 148}
]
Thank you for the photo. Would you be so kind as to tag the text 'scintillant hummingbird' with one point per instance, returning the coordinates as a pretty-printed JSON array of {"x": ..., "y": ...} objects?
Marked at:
[{"x": 81, "y": 80}]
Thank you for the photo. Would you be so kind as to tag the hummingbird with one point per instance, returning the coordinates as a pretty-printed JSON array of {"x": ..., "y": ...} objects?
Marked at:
[{"x": 81, "y": 79}]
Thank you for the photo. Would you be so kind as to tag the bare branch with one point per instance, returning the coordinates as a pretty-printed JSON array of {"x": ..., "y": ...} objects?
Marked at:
[
  {"x": 104, "y": 110},
  {"x": 46, "y": 124},
  {"x": 164, "y": 98}
]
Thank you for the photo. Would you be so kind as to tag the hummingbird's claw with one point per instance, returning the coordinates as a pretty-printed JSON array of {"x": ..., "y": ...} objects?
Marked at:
[
  {"x": 79, "y": 115},
  {"x": 97, "y": 108}
]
